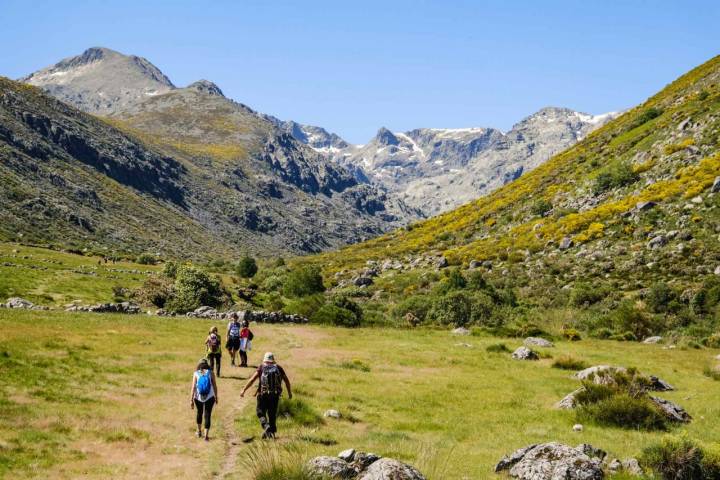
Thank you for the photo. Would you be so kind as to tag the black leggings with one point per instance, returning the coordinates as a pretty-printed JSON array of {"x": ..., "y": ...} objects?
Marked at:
[
  {"x": 214, "y": 360},
  {"x": 243, "y": 358},
  {"x": 204, "y": 407},
  {"x": 267, "y": 408}
]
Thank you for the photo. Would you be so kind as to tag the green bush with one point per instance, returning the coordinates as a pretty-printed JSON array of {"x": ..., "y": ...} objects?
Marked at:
[
  {"x": 712, "y": 372},
  {"x": 453, "y": 280},
  {"x": 155, "y": 290},
  {"x": 571, "y": 334},
  {"x": 170, "y": 269},
  {"x": 194, "y": 288},
  {"x": 627, "y": 318},
  {"x": 646, "y": 116},
  {"x": 333, "y": 315},
  {"x": 418, "y": 305},
  {"x": 680, "y": 458},
  {"x": 625, "y": 411},
  {"x": 482, "y": 309},
  {"x": 584, "y": 294},
  {"x": 661, "y": 298},
  {"x": 146, "y": 259},
  {"x": 273, "y": 283},
  {"x": 451, "y": 309},
  {"x": 246, "y": 267},
  {"x": 304, "y": 306},
  {"x": 615, "y": 175},
  {"x": 541, "y": 207},
  {"x": 302, "y": 281},
  {"x": 567, "y": 362}
]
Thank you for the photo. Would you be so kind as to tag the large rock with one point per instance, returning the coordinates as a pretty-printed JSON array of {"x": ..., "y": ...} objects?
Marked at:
[
  {"x": 332, "y": 467},
  {"x": 569, "y": 401},
  {"x": 716, "y": 185},
  {"x": 17, "y": 302},
  {"x": 554, "y": 461},
  {"x": 672, "y": 411},
  {"x": 599, "y": 373},
  {"x": 538, "y": 342},
  {"x": 362, "y": 281},
  {"x": 657, "y": 242},
  {"x": 389, "y": 469},
  {"x": 652, "y": 340},
  {"x": 461, "y": 331},
  {"x": 565, "y": 243},
  {"x": 524, "y": 353}
]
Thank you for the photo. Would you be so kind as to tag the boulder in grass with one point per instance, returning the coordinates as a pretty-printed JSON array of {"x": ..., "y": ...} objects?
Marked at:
[
  {"x": 554, "y": 461},
  {"x": 347, "y": 455},
  {"x": 17, "y": 302},
  {"x": 672, "y": 411},
  {"x": 652, "y": 340},
  {"x": 461, "y": 331},
  {"x": 390, "y": 469},
  {"x": 332, "y": 413},
  {"x": 332, "y": 467},
  {"x": 569, "y": 401},
  {"x": 598, "y": 373},
  {"x": 524, "y": 353},
  {"x": 538, "y": 342}
]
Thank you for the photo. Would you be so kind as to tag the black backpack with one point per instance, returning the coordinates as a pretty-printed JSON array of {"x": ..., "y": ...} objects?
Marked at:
[{"x": 270, "y": 380}]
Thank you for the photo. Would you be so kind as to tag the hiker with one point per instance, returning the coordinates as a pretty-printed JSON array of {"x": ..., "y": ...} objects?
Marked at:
[
  {"x": 246, "y": 337},
  {"x": 214, "y": 351},
  {"x": 203, "y": 396},
  {"x": 271, "y": 376},
  {"x": 233, "y": 337}
]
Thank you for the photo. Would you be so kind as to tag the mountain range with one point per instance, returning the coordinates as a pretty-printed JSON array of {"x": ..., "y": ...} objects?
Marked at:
[{"x": 247, "y": 180}]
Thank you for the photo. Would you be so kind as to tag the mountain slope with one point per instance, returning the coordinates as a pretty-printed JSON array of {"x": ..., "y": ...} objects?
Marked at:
[
  {"x": 584, "y": 215},
  {"x": 244, "y": 178},
  {"x": 436, "y": 169}
]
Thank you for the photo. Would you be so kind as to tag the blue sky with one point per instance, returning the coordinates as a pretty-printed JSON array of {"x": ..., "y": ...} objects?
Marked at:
[{"x": 353, "y": 66}]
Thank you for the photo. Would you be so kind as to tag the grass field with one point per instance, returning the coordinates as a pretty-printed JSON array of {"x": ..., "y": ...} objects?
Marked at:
[
  {"x": 51, "y": 278},
  {"x": 103, "y": 396}
]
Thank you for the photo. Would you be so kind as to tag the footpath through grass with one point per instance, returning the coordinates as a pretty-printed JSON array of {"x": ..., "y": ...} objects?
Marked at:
[{"x": 103, "y": 396}]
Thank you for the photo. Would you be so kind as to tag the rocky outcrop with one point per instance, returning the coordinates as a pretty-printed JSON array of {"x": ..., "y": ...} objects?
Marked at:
[
  {"x": 538, "y": 342},
  {"x": 351, "y": 464},
  {"x": 259, "y": 316},
  {"x": 524, "y": 353},
  {"x": 17, "y": 302},
  {"x": 672, "y": 411},
  {"x": 554, "y": 461},
  {"x": 122, "y": 307}
]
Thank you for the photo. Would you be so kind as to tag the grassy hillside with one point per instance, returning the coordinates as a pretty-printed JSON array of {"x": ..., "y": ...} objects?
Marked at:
[
  {"x": 575, "y": 232},
  {"x": 106, "y": 396}
]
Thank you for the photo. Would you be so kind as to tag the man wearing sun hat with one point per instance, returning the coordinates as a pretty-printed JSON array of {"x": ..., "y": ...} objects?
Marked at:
[{"x": 271, "y": 377}]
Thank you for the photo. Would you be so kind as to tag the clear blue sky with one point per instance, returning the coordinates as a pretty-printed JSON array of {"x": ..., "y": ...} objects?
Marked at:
[{"x": 353, "y": 66}]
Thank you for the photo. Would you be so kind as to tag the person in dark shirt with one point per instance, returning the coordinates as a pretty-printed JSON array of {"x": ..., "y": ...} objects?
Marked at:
[{"x": 271, "y": 376}]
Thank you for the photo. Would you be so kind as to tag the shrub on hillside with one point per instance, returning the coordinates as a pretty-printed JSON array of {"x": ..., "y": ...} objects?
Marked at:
[
  {"x": 541, "y": 207},
  {"x": 584, "y": 294},
  {"x": 330, "y": 314},
  {"x": 156, "y": 290},
  {"x": 451, "y": 309},
  {"x": 661, "y": 299},
  {"x": 417, "y": 305},
  {"x": 616, "y": 175},
  {"x": 170, "y": 269},
  {"x": 246, "y": 267},
  {"x": 627, "y": 318},
  {"x": 302, "y": 281},
  {"x": 454, "y": 280},
  {"x": 646, "y": 116},
  {"x": 623, "y": 410},
  {"x": 194, "y": 288},
  {"x": 146, "y": 259},
  {"x": 305, "y": 306},
  {"x": 482, "y": 310},
  {"x": 497, "y": 348},
  {"x": 678, "y": 457}
]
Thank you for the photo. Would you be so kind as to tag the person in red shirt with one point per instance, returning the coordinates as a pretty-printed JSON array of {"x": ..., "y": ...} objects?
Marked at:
[{"x": 246, "y": 337}]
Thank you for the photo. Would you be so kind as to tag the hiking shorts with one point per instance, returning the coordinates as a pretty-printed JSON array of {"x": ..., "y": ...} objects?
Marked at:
[{"x": 233, "y": 343}]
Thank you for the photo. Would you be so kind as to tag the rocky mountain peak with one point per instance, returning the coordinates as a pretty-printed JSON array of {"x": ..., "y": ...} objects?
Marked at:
[
  {"x": 386, "y": 137},
  {"x": 207, "y": 87},
  {"x": 101, "y": 81}
]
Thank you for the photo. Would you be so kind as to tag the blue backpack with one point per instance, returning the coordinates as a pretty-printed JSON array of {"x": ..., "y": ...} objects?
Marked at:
[{"x": 204, "y": 383}]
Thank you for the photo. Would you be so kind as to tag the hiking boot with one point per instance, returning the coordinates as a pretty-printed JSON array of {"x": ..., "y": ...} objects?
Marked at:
[{"x": 199, "y": 434}]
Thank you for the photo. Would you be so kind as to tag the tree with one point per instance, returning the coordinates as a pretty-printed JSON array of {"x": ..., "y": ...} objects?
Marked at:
[
  {"x": 247, "y": 267},
  {"x": 194, "y": 288},
  {"x": 303, "y": 281},
  {"x": 452, "y": 309}
]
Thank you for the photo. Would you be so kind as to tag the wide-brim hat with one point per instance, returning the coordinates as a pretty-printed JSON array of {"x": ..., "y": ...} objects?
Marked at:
[{"x": 269, "y": 358}]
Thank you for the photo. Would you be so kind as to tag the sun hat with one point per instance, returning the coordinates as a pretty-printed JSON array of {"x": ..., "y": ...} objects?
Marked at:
[{"x": 269, "y": 358}]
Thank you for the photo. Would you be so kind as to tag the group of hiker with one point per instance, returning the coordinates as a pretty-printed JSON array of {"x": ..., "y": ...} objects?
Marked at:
[{"x": 271, "y": 376}]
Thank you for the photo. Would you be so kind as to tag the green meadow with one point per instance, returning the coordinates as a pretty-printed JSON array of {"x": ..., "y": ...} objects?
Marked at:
[{"x": 107, "y": 396}]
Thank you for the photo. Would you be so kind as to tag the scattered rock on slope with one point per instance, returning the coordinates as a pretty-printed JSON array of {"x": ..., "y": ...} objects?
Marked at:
[
  {"x": 524, "y": 353},
  {"x": 350, "y": 464},
  {"x": 554, "y": 461}
]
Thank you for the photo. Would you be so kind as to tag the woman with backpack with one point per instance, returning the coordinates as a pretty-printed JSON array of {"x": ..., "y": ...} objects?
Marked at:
[
  {"x": 214, "y": 351},
  {"x": 233, "y": 337},
  {"x": 203, "y": 396}
]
